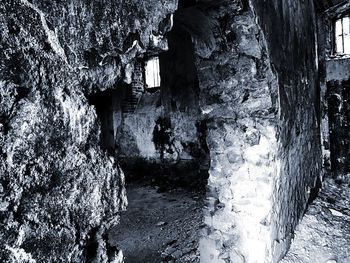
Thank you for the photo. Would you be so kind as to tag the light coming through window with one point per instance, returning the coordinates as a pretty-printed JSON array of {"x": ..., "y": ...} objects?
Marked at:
[
  {"x": 342, "y": 35},
  {"x": 152, "y": 73}
]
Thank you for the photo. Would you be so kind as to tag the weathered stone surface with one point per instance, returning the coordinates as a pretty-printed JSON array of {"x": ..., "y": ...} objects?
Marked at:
[
  {"x": 262, "y": 128},
  {"x": 59, "y": 192},
  {"x": 289, "y": 27},
  {"x": 241, "y": 112}
]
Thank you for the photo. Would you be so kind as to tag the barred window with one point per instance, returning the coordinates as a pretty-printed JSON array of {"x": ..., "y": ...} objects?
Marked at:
[
  {"x": 342, "y": 35},
  {"x": 152, "y": 73}
]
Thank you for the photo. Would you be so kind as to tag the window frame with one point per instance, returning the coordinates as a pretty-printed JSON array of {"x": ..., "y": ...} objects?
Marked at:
[
  {"x": 144, "y": 63},
  {"x": 334, "y": 34}
]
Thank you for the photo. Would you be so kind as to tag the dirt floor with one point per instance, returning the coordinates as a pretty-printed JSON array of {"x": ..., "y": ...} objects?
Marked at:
[
  {"x": 159, "y": 226},
  {"x": 164, "y": 226},
  {"x": 323, "y": 235}
]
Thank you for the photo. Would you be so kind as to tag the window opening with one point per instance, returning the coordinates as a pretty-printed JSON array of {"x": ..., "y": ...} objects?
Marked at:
[
  {"x": 152, "y": 73},
  {"x": 342, "y": 35}
]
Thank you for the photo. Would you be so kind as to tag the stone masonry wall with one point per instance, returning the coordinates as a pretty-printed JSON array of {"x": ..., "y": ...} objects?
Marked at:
[
  {"x": 259, "y": 97},
  {"x": 59, "y": 193},
  {"x": 238, "y": 100}
]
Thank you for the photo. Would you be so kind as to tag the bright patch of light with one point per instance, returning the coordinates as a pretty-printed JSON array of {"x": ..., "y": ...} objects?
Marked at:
[
  {"x": 339, "y": 36},
  {"x": 152, "y": 73},
  {"x": 342, "y": 35},
  {"x": 346, "y": 32}
]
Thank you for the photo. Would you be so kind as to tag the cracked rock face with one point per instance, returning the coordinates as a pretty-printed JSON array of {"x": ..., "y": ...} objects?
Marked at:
[{"x": 59, "y": 192}]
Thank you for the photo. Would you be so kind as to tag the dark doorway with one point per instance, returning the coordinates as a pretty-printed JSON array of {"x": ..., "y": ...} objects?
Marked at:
[{"x": 339, "y": 121}]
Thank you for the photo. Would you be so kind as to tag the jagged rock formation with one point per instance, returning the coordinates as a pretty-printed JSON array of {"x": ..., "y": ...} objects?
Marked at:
[{"x": 59, "y": 193}]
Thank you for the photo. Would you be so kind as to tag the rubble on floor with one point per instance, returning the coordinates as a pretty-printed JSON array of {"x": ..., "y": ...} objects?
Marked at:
[{"x": 324, "y": 233}]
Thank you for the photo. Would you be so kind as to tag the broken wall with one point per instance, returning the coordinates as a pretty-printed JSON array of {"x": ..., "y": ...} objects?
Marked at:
[{"x": 59, "y": 192}]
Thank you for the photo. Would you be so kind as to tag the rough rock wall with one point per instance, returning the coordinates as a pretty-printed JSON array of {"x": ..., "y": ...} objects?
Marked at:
[
  {"x": 259, "y": 96},
  {"x": 59, "y": 192}
]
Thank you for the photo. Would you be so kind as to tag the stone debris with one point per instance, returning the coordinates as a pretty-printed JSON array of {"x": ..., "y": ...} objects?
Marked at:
[
  {"x": 335, "y": 212},
  {"x": 323, "y": 235},
  {"x": 161, "y": 223}
]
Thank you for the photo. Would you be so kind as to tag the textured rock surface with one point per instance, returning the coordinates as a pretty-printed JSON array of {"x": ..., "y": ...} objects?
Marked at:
[
  {"x": 260, "y": 103},
  {"x": 289, "y": 27},
  {"x": 236, "y": 86},
  {"x": 58, "y": 191}
]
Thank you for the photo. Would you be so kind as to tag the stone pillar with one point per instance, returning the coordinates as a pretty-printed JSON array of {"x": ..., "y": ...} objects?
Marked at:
[
  {"x": 258, "y": 95},
  {"x": 237, "y": 92}
]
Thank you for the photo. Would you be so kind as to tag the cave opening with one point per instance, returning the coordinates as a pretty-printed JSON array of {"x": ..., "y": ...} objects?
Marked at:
[
  {"x": 226, "y": 86},
  {"x": 103, "y": 101},
  {"x": 107, "y": 104},
  {"x": 154, "y": 127}
]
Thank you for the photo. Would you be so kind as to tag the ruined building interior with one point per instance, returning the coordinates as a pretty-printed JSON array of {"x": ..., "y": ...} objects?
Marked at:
[{"x": 149, "y": 131}]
